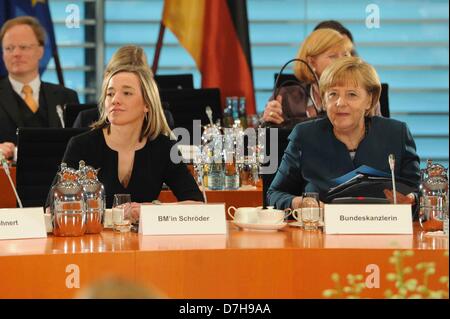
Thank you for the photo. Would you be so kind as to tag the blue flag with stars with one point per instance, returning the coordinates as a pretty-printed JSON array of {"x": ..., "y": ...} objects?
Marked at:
[{"x": 36, "y": 8}]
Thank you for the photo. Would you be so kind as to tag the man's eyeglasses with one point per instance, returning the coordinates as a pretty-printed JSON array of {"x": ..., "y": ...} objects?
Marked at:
[{"x": 21, "y": 47}]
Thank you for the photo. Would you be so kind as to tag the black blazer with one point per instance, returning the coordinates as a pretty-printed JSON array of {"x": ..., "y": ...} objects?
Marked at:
[
  {"x": 314, "y": 157},
  {"x": 10, "y": 118},
  {"x": 152, "y": 167}
]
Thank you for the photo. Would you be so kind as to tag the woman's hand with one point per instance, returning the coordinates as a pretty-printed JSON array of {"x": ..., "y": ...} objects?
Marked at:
[
  {"x": 7, "y": 149},
  {"x": 401, "y": 199},
  {"x": 132, "y": 212},
  {"x": 297, "y": 202},
  {"x": 273, "y": 113}
]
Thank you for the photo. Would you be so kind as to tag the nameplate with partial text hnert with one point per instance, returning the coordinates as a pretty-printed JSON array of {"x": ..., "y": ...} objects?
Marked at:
[
  {"x": 21, "y": 223},
  {"x": 368, "y": 219},
  {"x": 182, "y": 219}
]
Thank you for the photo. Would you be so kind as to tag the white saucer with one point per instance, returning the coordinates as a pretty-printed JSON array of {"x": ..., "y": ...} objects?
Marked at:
[
  {"x": 300, "y": 224},
  {"x": 264, "y": 227}
]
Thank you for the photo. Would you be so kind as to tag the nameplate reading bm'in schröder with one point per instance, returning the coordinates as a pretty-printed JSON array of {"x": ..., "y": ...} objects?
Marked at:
[
  {"x": 368, "y": 219},
  {"x": 18, "y": 223},
  {"x": 182, "y": 219}
]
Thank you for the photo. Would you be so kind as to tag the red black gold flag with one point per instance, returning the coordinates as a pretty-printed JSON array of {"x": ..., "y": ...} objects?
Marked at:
[{"x": 215, "y": 33}]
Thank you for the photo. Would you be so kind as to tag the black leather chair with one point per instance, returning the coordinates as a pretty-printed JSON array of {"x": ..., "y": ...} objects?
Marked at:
[
  {"x": 384, "y": 100},
  {"x": 174, "y": 81},
  {"x": 190, "y": 104},
  {"x": 40, "y": 151},
  {"x": 289, "y": 79},
  {"x": 283, "y": 134},
  {"x": 71, "y": 112}
]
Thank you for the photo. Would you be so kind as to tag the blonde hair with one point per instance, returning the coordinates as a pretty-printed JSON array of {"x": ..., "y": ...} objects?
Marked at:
[
  {"x": 155, "y": 122},
  {"x": 128, "y": 55},
  {"x": 37, "y": 28},
  {"x": 352, "y": 70},
  {"x": 317, "y": 43}
]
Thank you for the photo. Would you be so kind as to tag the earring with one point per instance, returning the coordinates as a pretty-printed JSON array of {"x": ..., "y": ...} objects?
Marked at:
[
  {"x": 107, "y": 121},
  {"x": 146, "y": 116}
]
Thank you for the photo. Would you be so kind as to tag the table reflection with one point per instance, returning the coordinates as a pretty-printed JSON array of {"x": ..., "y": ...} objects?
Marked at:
[{"x": 426, "y": 240}]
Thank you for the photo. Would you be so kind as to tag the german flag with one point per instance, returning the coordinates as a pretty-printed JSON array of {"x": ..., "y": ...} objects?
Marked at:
[{"x": 215, "y": 33}]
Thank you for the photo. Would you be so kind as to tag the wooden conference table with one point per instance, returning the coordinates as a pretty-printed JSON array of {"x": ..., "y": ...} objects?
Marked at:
[
  {"x": 7, "y": 198},
  {"x": 290, "y": 263},
  {"x": 250, "y": 197}
]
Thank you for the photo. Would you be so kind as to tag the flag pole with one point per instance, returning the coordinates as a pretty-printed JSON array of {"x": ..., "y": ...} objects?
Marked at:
[
  {"x": 58, "y": 67},
  {"x": 159, "y": 43}
]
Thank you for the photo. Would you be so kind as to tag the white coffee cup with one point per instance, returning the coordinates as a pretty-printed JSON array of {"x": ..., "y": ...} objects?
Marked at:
[
  {"x": 272, "y": 216},
  {"x": 245, "y": 215}
]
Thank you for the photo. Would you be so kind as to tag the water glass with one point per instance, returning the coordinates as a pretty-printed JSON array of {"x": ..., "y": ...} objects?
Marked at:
[
  {"x": 120, "y": 204},
  {"x": 311, "y": 213}
]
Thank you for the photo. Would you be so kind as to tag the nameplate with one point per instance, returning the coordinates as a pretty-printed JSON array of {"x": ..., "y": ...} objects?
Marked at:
[
  {"x": 368, "y": 219},
  {"x": 20, "y": 223},
  {"x": 182, "y": 219}
]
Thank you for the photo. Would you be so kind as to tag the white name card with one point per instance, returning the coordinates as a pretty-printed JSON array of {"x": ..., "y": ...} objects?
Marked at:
[
  {"x": 368, "y": 219},
  {"x": 19, "y": 223},
  {"x": 182, "y": 219}
]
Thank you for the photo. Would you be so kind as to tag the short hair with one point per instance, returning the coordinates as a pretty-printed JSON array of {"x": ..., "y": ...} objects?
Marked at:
[
  {"x": 317, "y": 43},
  {"x": 37, "y": 28},
  {"x": 355, "y": 71},
  {"x": 335, "y": 25},
  {"x": 155, "y": 122}
]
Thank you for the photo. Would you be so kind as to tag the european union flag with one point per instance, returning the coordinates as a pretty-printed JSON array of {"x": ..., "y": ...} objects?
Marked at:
[{"x": 40, "y": 10}]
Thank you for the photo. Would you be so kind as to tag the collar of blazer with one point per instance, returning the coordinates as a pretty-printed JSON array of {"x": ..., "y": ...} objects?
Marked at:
[{"x": 9, "y": 103}]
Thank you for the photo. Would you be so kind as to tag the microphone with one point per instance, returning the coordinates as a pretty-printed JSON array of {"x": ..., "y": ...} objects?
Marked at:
[
  {"x": 276, "y": 88},
  {"x": 392, "y": 167},
  {"x": 209, "y": 113},
  {"x": 60, "y": 113},
  {"x": 7, "y": 172}
]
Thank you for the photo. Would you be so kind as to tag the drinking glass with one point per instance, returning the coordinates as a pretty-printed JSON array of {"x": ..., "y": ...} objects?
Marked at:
[
  {"x": 120, "y": 204},
  {"x": 311, "y": 213}
]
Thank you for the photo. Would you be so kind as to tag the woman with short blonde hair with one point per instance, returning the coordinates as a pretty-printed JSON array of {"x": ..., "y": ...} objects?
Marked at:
[
  {"x": 316, "y": 44},
  {"x": 297, "y": 102},
  {"x": 322, "y": 153},
  {"x": 352, "y": 71}
]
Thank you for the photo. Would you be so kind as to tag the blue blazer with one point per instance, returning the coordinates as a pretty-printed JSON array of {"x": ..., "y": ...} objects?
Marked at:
[{"x": 314, "y": 157}]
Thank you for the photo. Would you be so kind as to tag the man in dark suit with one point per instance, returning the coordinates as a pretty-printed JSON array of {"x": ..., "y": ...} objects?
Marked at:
[{"x": 26, "y": 101}]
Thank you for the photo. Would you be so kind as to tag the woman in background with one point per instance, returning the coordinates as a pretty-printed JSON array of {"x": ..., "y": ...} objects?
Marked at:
[
  {"x": 295, "y": 103},
  {"x": 126, "y": 55}
]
